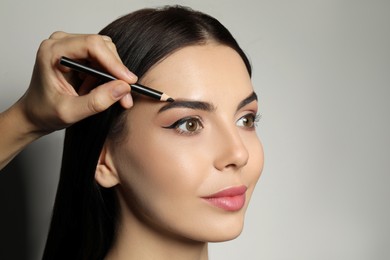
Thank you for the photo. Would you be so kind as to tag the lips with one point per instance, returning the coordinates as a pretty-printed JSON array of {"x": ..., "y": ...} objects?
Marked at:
[{"x": 230, "y": 199}]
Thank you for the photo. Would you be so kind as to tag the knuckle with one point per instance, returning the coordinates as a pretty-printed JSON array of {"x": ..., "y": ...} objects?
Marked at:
[
  {"x": 44, "y": 48},
  {"x": 58, "y": 35},
  {"x": 112, "y": 46},
  {"x": 96, "y": 45},
  {"x": 107, "y": 38},
  {"x": 94, "y": 40},
  {"x": 45, "y": 44}
]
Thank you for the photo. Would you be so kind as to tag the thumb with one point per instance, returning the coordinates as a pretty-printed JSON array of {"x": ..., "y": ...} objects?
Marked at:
[{"x": 100, "y": 98}]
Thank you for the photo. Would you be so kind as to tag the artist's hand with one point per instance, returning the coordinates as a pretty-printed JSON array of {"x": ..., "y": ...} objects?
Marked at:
[{"x": 52, "y": 103}]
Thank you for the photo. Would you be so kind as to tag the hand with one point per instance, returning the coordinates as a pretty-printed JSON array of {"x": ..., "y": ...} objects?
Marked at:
[{"x": 52, "y": 103}]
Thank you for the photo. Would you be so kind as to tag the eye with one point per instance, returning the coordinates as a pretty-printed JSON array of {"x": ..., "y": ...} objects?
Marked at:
[
  {"x": 187, "y": 125},
  {"x": 248, "y": 121}
]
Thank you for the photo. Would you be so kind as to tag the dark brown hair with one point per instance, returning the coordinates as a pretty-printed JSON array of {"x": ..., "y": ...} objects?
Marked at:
[{"x": 85, "y": 215}]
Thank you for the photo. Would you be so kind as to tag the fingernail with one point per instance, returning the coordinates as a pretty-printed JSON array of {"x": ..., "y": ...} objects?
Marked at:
[
  {"x": 131, "y": 76},
  {"x": 129, "y": 100}
]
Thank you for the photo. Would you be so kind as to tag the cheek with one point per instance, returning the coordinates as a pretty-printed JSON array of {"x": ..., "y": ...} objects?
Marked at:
[
  {"x": 255, "y": 162},
  {"x": 162, "y": 182},
  {"x": 159, "y": 168}
]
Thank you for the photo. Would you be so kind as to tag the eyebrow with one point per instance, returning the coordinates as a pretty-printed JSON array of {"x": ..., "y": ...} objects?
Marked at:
[
  {"x": 196, "y": 105},
  {"x": 252, "y": 97},
  {"x": 201, "y": 105}
]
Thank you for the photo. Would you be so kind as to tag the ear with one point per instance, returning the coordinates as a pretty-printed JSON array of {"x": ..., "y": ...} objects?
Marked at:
[{"x": 106, "y": 174}]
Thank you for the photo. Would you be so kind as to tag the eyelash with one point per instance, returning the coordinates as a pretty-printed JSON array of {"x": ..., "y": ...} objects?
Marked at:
[
  {"x": 254, "y": 118},
  {"x": 186, "y": 120},
  {"x": 197, "y": 122}
]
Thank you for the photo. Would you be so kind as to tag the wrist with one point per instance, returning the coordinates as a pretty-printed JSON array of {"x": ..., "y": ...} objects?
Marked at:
[
  {"x": 25, "y": 127},
  {"x": 16, "y": 133}
]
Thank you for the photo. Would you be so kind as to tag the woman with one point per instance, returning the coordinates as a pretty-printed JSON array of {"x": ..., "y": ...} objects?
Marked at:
[{"x": 160, "y": 180}]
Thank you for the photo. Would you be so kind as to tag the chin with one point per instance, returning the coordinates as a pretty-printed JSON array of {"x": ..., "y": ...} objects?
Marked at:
[
  {"x": 225, "y": 229},
  {"x": 225, "y": 236}
]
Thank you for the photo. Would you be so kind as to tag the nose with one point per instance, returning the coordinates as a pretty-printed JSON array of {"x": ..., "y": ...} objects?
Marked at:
[{"x": 231, "y": 151}]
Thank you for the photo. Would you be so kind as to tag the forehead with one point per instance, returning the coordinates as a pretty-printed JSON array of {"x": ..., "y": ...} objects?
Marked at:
[{"x": 200, "y": 72}]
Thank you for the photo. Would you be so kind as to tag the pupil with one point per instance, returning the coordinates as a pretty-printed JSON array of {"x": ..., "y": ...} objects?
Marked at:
[
  {"x": 248, "y": 122},
  {"x": 191, "y": 125}
]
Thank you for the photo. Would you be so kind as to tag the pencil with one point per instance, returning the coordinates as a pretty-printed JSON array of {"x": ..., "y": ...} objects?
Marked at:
[{"x": 138, "y": 88}]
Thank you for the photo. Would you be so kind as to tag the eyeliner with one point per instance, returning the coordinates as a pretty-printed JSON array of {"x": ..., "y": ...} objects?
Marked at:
[{"x": 138, "y": 88}]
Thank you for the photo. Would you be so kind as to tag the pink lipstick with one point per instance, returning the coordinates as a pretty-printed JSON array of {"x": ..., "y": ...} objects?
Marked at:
[{"x": 230, "y": 199}]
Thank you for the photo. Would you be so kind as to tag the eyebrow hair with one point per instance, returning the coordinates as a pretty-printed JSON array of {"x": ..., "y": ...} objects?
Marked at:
[
  {"x": 201, "y": 105},
  {"x": 247, "y": 100}
]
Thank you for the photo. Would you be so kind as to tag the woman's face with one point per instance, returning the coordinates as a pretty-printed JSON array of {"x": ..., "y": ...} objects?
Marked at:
[{"x": 188, "y": 168}]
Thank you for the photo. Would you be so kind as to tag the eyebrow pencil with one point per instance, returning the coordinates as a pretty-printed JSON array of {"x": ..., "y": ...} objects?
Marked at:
[{"x": 138, "y": 88}]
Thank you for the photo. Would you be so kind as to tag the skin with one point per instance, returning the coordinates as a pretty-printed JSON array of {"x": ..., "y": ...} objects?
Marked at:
[
  {"x": 162, "y": 174},
  {"x": 51, "y": 102}
]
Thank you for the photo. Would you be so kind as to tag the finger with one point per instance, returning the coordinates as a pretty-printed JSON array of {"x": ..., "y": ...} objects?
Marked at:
[
  {"x": 126, "y": 101},
  {"x": 59, "y": 35},
  {"x": 107, "y": 38},
  {"x": 94, "y": 48},
  {"x": 87, "y": 85},
  {"x": 98, "y": 100},
  {"x": 113, "y": 49},
  {"x": 90, "y": 83},
  {"x": 108, "y": 41}
]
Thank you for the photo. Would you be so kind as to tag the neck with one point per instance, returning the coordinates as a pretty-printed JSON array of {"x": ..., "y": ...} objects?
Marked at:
[{"x": 138, "y": 240}]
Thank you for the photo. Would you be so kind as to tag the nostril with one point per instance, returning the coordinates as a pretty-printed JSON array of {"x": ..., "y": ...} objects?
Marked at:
[{"x": 232, "y": 157}]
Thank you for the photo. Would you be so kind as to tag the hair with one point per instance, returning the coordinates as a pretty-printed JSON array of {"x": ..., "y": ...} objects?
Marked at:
[{"x": 85, "y": 215}]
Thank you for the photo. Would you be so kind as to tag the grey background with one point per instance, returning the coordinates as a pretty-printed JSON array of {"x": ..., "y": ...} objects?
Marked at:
[{"x": 322, "y": 71}]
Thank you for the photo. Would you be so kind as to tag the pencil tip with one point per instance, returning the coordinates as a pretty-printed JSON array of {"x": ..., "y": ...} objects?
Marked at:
[{"x": 166, "y": 98}]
